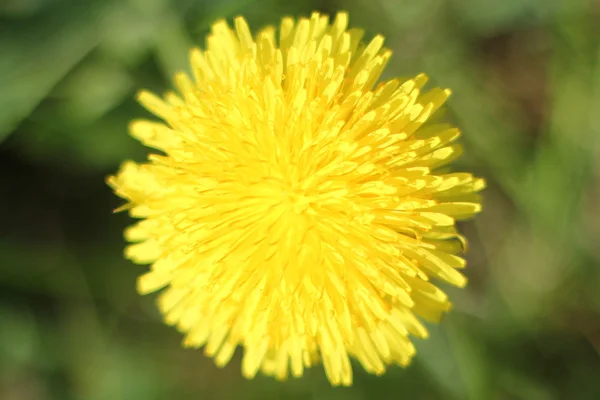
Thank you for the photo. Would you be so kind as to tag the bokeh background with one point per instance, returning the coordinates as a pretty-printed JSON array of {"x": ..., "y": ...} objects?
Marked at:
[{"x": 526, "y": 82}]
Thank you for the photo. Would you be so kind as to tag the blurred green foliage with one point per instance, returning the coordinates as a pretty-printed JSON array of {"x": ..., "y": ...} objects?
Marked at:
[{"x": 526, "y": 81}]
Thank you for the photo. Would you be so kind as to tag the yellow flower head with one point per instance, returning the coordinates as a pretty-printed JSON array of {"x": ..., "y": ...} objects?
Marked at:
[{"x": 294, "y": 208}]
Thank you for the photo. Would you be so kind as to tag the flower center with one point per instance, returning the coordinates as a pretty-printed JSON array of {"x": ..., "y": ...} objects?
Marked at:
[{"x": 298, "y": 201}]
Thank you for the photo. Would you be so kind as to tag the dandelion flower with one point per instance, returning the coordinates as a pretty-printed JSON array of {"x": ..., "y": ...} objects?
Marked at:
[{"x": 295, "y": 208}]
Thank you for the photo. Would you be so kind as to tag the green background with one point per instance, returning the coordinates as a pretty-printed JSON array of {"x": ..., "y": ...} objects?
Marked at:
[{"x": 526, "y": 81}]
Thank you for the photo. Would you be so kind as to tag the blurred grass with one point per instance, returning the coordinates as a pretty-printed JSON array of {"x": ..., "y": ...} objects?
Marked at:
[{"x": 526, "y": 81}]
